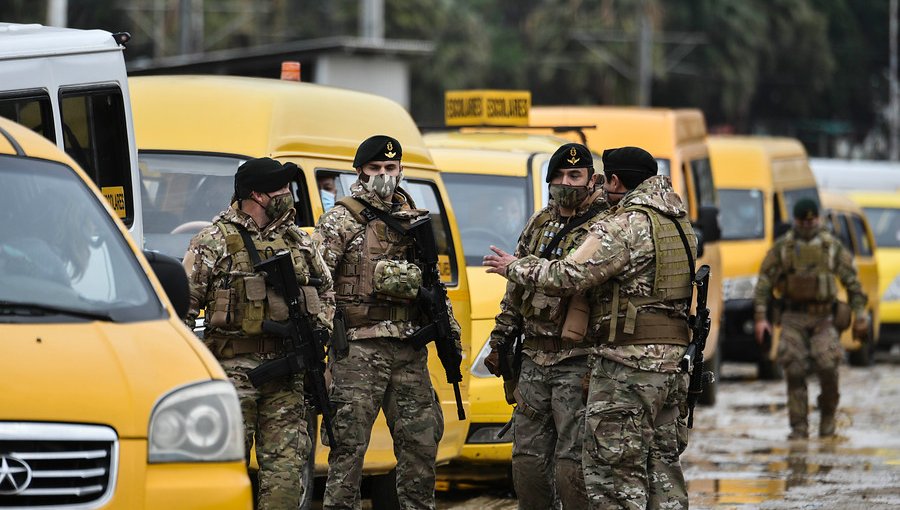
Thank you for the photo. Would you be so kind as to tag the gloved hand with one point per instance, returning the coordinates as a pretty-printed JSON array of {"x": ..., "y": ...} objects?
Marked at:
[
  {"x": 861, "y": 327},
  {"x": 492, "y": 362}
]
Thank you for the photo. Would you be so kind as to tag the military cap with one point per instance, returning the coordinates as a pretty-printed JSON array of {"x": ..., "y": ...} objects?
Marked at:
[
  {"x": 629, "y": 159},
  {"x": 262, "y": 175},
  {"x": 377, "y": 148},
  {"x": 806, "y": 209},
  {"x": 570, "y": 155}
]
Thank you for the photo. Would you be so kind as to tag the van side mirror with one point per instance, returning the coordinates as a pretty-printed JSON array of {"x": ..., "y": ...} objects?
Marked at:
[
  {"x": 174, "y": 280},
  {"x": 707, "y": 227}
]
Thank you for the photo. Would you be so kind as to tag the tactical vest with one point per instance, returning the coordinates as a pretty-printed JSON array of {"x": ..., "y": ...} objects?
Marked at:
[
  {"x": 359, "y": 277},
  {"x": 548, "y": 228},
  {"x": 808, "y": 276},
  {"x": 631, "y": 319},
  {"x": 246, "y": 301}
]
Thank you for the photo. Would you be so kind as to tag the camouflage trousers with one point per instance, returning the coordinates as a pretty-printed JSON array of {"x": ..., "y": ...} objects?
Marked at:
[
  {"x": 809, "y": 344},
  {"x": 383, "y": 374},
  {"x": 275, "y": 415},
  {"x": 548, "y": 435},
  {"x": 634, "y": 435}
]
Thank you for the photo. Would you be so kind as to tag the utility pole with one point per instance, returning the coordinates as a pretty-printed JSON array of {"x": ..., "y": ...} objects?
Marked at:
[
  {"x": 57, "y": 13},
  {"x": 371, "y": 20},
  {"x": 894, "y": 115},
  {"x": 645, "y": 57}
]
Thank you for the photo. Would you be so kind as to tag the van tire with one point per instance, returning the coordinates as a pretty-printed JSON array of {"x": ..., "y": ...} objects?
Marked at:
[
  {"x": 708, "y": 397},
  {"x": 383, "y": 491},
  {"x": 865, "y": 355}
]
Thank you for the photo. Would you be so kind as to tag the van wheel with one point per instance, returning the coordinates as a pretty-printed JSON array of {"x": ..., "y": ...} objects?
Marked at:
[
  {"x": 865, "y": 355},
  {"x": 383, "y": 491},
  {"x": 708, "y": 397},
  {"x": 768, "y": 370}
]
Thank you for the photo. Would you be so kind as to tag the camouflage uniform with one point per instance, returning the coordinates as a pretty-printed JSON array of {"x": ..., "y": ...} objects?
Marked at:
[
  {"x": 382, "y": 371},
  {"x": 549, "y": 417},
  {"x": 634, "y": 425},
  {"x": 274, "y": 414},
  {"x": 809, "y": 342}
]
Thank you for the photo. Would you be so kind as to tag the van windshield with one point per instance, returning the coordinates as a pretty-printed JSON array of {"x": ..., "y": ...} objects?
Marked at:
[
  {"x": 181, "y": 194},
  {"x": 62, "y": 257},
  {"x": 490, "y": 210},
  {"x": 742, "y": 218},
  {"x": 885, "y": 224}
]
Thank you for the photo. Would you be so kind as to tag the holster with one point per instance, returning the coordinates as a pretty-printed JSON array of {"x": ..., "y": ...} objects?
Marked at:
[
  {"x": 575, "y": 326},
  {"x": 340, "y": 345}
]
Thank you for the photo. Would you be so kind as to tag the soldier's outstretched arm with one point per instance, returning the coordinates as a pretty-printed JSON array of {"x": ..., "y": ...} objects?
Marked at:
[
  {"x": 846, "y": 272},
  {"x": 199, "y": 261},
  {"x": 603, "y": 255},
  {"x": 330, "y": 233},
  {"x": 769, "y": 272}
]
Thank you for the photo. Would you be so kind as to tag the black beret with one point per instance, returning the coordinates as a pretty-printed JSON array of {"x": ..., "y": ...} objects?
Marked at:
[
  {"x": 570, "y": 155},
  {"x": 629, "y": 159},
  {"x": 806, "y": 209},
  {"x": 262, "y": 175},
  {"x": 377, "y": 148}
]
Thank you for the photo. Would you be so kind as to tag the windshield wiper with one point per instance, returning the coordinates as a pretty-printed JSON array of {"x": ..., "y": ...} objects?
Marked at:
[{"x": 17, "y": 308}]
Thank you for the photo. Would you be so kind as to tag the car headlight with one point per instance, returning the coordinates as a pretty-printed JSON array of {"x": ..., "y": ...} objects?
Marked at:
[
  {"x": 478, "y": 369},
  {"x": 739, "y": 288},
  {"x": 197, "y": 423},
  {"x": 892, "y": 293}
]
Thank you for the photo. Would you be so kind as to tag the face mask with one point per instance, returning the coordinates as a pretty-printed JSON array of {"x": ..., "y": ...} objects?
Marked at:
[
  {"x": 567, "y": 196},
  {"x": 806, "y": 233},
  {"x": 383, "y": 185},
  {"x": 279, "y": 204},
  {"x": 327, "y": 199}
]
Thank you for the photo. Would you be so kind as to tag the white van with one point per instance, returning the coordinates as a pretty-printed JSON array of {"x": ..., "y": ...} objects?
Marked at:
[{"x": 71, "y": 87}]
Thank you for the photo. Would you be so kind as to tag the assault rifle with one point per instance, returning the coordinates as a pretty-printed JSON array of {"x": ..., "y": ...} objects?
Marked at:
[
  {"x": 692, "y": 362},
  {"x": 510, "y": 364},
  {"x": 432, "y": 300},
  {"x": 304, "y": 345}
]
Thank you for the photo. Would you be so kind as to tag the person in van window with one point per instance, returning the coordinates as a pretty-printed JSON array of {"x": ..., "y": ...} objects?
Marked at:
[
  {"x": 327, "y": 190},
  {"x": 802, "y": 266},
  {"x": 549, "y": 417},
  {"x": 237, "y": 299},
  {"x": 377, "y": 278},
  {"x": 634, "y": 269}
]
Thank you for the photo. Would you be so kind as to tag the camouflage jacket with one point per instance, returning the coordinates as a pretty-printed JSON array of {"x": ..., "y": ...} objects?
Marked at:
[
  {"x": 528, "y": 318},
  {"x": 619, "y": 247},
  {"x": 208, "y": 263},
  {"x": 773, "y": 271},
  {"x": 340, "y": 236}
]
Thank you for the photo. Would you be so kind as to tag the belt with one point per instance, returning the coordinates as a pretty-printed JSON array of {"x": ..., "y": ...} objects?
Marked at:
[
  {"x": 356, "y": 315},
  {"x": 550, "y": 344},
  {"x": 230, "y": 347},
  {"x": 811, "y": 307}
]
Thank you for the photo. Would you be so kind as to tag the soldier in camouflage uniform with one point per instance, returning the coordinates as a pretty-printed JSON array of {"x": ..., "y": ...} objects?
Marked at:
[
  {"x": 801, "y": 266},
  {"x": 549, "y": 416},
  {"x": 236, "y": 301},
  {"x": 635, "y": 267},
  {"x": 377, "y": 278}
]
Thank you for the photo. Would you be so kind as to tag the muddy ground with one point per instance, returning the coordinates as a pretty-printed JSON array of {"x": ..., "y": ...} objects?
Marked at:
[{"x": 739, "y": 456}]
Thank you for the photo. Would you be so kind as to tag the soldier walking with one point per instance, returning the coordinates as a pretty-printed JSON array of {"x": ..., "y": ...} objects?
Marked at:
[
  {"x": 635, "y": 266},
  {"x": 377, "y": 279},
  {"x": 549, "y": 416},
  {"x": 802, "y": 266},
  {"x": 237, "y": 299}
]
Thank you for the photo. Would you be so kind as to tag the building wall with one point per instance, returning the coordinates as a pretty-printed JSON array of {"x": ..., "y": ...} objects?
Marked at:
[{"x": 376, "y": 75}]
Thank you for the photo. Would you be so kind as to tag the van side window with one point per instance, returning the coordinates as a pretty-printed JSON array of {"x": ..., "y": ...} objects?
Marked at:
[
  {"x": 95, "y": 135},
  {"x": 701, "y": 171},
  {"x": 860, "y": 234},
  {"x": 425, "y": 195},
  {"x": 32, "y": 109},
  {"x": 842, "y": 230}
]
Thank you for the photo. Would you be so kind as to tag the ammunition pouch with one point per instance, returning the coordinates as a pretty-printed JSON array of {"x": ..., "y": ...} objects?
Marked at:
[
  {"x": 801, "y": 287},
  {"x": 397, "y": 279},
  {"x": 841, "y": 314},
  {"x": 578, "y": 315}
]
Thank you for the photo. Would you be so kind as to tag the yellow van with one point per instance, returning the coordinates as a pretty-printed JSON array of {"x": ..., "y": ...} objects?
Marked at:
[
  {"x": 882, "y": 210},
  {"x": 677, "y": 139},
  {"x": 109, "y": 401},
  {"x": 194, "y": 131},
  {"x": 848, "y": 223},
  {"x": 760, "y": 178},
  {"x": 496, "y": 181}
]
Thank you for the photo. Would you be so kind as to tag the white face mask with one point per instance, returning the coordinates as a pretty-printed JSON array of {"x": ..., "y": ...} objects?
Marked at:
[{"x": 383, "y": 185}]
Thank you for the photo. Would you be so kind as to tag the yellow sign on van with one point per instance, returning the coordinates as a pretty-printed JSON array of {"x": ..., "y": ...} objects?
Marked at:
[
  {"x": 115, "y": 195},
  {"x": 486, "y": 107}
]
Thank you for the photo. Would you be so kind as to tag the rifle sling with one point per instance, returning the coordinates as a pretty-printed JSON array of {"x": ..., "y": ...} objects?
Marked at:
[
  {"x": 690, "y": 256},
  {"x": 371, "y": 213},
  {"x": 571, "y": 225},
  {"x": 249, "y": 245}
]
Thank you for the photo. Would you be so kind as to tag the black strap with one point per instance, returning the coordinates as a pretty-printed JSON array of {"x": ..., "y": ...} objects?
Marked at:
[
  {"x": 370, "y": 213},
  {"x": 571, "y": 225},
  {"x": 687, "y": 248},
  {"x": 249, "y": 245}
]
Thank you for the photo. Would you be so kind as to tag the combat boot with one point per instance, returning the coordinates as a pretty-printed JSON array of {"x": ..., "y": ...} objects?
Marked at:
[
  {"x": 798, "y": 433},
  {"x": 827, "y": 408}
]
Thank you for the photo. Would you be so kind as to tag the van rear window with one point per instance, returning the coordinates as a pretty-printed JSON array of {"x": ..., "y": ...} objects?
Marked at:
[
  {"x": 32, "y": 109},
  {"x": 744, "y": 216}
]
